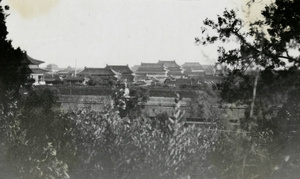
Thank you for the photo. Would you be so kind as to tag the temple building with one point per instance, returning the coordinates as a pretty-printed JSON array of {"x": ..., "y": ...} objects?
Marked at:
[
  {"x": 193, "y": 69},
  {"x": 174, "y": 70},
  {"x": 124, "y": 71},
  {"x": 37, "y": 74},
  {"x": 52, "y": 68},
  {"x": 100, "y": 72},
  {"x": 101, "y": 75},
  {"x": 155, "y": 70}
]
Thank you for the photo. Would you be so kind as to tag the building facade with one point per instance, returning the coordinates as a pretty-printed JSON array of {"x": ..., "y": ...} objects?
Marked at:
[
  {"x": 123, "y": 70},
  {"x": 193, "y": 69},
  {"x": 174, "y": 70},
  {"x": 154, "y": 70},
  {"x": 37, "y": 74},
  {"x": 103, "y": 76}
]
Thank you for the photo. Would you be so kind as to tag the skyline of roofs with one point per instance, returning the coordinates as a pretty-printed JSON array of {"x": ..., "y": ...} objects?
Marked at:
[
  {"x": 160, "y": 71},
  {"x": 165, "y": 67},
  {"x": 131, "y": 67}
]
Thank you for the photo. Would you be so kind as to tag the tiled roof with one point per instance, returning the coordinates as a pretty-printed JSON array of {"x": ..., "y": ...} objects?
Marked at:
[
  {"x": 121, "y": 69},
  {"x": 192, "y": 65},
  {"x": 146, "y": 67},
  {"x": 33, "y": 61},
  {"x": 135, "y": 67},
  {"x": 152, "y": 65},
  {"x": 98, "y": 71},
  {"x": 38, "y": 71},
  {"x": 193, "y": 69},
  {"x": 168, "y": 63},
  {"x": 141, "y": 69}
]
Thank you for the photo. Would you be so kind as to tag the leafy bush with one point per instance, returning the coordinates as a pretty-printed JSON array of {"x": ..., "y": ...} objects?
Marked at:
[
  {"x": 42, "y": 143},
  {"x": 38, "y": 142},
  {"x": 111, "y": 147},
  {"x": 244, "y": 155}
]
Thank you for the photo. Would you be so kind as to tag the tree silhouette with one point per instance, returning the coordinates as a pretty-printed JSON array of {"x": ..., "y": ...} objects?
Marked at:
[
  {"x": 258, "y": 51},
  {"x": 14, "y": 69},
  {"x": 262, "y": 68}
]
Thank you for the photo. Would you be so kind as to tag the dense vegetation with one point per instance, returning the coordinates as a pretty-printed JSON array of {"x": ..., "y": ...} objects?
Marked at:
[
  {"x": 43, "y": 143},
  {"x": 262, "y": 73},
  {"x": 40, "y": 141}
]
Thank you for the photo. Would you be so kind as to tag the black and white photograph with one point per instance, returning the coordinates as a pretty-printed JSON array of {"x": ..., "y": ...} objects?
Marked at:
[{"x": 149, "y": 89}]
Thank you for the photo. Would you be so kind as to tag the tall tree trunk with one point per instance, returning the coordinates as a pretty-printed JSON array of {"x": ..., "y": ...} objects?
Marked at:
[
  {"x": 254, "y": 94},
  {"x": 256, "y": 80}
]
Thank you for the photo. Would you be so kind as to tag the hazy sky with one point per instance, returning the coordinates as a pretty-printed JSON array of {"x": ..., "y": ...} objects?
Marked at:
[{"x": 98, "y": 32}]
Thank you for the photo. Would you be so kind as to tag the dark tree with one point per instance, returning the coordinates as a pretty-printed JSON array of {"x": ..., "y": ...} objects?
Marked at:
[
  {"x": 13, "y": 66},
  {"x": 283, "y": 18},
  {"x": 260, "y": 53},
  {"x": 130, "y": 101},
  {"x": 267, "y": 51},
  {"x": 262, "y": 69}
]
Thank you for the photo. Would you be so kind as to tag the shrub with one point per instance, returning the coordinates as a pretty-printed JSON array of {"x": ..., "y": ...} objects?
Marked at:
[
  {"x": 111, "y": 147},
  {"x": 37, "y": 142}
]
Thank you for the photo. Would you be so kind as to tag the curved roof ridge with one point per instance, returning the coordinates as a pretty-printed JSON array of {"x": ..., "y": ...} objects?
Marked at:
[{"x": 33, "y": 61}]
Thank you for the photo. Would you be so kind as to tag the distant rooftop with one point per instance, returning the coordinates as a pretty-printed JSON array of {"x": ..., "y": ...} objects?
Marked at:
[
  {"x": 152, "y": 65},
  {"x": 124, "y": 69},
  {"x": 33, "y": 61},
  {"x": 192, "y": 66},
  {"x": 38, "y": 71},
  {"x": 97, "y": 71},
  {"x": 135, "y": 67},
  {"x": 168, "y": 63}
]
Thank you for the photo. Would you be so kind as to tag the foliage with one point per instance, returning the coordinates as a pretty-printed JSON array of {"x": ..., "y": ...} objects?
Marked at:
[
  {"x": 253, "y": 67},
  {"x": 257, "y": 48},
  {"x": 114, "y": 147},
  {"x": 13, "y": 70},
  {"x": 43, "y": 143},
  {"x": 129, "y": 102},
  {"x": 283, "y": 18},
  {"x": 270, "y": 150},
  {"x": 95, "y": 81},
  {"x": 139, "y": 97},
  {"x": 40, "y": 98},
  {"x": 236, "y": 87},
  {"x": 267, "y": 51},
  {"x": 162, "y": 122},
  {"x": 205, "y": 106},
  {"x": 244, "y": 155},
  {"x": 263, "y": 68},
  {"x": 38, "y": 141},
  {"x": 100, "y": 81},
  {"x": 273, "y": 88},
  {"x": 287, "y": 131}
]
